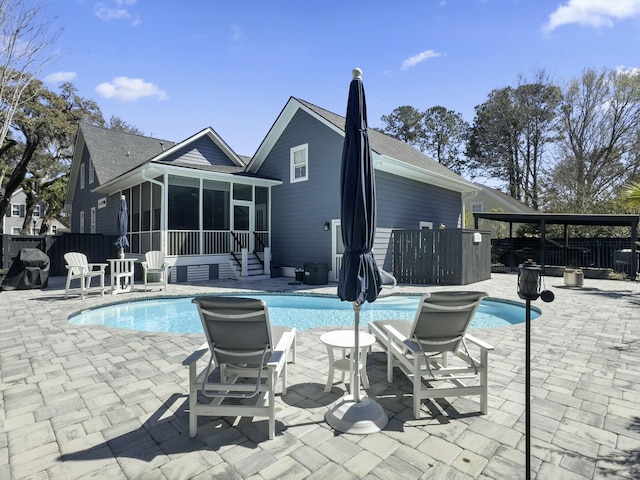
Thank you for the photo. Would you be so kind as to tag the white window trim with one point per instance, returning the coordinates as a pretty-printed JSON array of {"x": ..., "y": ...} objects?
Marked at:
[
  {"x": 82, "y": 175},
  {"x": 91, "y": 172},
  {"x": 82, "y": 222},
  {"x": 300, "y": 148},
  {"x": 17, "y": 207},
  {"x": 93, "y": 219},
  {"x": 15, "y": 230}
]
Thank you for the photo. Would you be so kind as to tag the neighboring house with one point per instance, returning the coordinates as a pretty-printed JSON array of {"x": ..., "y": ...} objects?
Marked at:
[
  {"x": 202, "y": 204},
  {"x": 14, "y": 219},
  {"x": 492, "y": 200},
  {"x": 304, "y": 149}
]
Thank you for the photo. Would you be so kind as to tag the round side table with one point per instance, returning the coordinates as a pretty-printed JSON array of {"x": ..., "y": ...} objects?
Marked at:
[{"x": 344, "y": 340}]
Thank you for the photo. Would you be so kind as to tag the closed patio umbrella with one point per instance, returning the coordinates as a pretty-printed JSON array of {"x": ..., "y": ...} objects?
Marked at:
[
  {"x": 123, "y": 224},
  {"x": 359, "y": 279}
]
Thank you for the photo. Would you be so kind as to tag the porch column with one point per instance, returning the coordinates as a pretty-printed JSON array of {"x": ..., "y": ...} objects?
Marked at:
[{"x": 267, "y": 260}]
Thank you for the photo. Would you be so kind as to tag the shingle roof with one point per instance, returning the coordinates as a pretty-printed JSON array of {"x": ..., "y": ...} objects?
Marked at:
[
  {"x": 384, "y": 144},
  {"x": 114, "y": 152}
]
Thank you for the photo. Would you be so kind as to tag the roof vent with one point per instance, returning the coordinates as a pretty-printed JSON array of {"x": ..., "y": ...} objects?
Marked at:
[
  {"x": 162, "y": 146},
  {"x": 128, "y": 154}
]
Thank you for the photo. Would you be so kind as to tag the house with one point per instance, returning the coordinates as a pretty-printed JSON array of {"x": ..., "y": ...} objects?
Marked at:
[
  {"x": 192, "y": 199},
  {"x": 488, "y": 199},
  {"x": 219, "y": 215},
  {"x": 304, "y": 148},
  {"x": 14, "y": 219}
]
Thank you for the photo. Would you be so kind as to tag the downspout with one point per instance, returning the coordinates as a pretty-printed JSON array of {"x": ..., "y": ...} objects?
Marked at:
[{"x": 163, "y": 222}]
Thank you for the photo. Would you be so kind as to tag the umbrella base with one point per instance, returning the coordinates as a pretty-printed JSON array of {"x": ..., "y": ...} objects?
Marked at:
[{"x": 360, "y": 418}]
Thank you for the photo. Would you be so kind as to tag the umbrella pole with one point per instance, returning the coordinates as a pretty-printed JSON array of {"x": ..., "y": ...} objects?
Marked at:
[{"x": 355, "y": 377}]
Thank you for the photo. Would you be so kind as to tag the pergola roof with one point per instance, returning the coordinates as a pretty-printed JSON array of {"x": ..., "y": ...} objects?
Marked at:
[{"x": 562, "y": 218}]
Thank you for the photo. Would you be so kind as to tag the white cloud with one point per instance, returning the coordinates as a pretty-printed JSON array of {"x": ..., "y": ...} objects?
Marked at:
[
  {"x": 592, "y": 13},
  {"x": 421, "y": 57},
  {"x": 130, "y": 89},
  {"x": 58, "y": 77},
  {"x": 108, "y": 13}
]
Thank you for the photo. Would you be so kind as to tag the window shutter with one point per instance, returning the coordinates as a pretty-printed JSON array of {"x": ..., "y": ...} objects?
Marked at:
[{"x": 22, "y": 209}]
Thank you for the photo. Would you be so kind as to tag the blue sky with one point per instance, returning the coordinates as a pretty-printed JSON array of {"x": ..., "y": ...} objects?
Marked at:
[{"x": 172, "y": 68}]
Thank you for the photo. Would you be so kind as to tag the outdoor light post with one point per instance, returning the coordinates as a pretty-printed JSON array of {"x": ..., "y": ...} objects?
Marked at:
[{"x": 528, "y": 289}]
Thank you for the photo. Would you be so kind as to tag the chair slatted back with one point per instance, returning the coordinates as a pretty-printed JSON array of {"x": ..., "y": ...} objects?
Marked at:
[
  {"x": 236, "y": 328},
  {"x": 442, "y": 319},
  {"x": 77, "y": 259},
  {"x": 155, "y": 259}
]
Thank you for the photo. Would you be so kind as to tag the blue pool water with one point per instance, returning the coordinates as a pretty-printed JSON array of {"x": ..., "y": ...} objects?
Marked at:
[{"x": 179, "y": 315}]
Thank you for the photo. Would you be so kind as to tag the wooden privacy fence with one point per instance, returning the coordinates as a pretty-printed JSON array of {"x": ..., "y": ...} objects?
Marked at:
[
  {"x": 96, "y": 247},
  {"x": 444, "y": 257}
]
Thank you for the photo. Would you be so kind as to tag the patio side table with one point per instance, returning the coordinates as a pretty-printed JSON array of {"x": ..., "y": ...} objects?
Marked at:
[
  {"x": 121, "y": 274},
  {"x": 344, "y": 340}
]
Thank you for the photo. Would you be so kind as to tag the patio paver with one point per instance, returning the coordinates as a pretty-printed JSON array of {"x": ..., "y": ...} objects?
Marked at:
[{"x": 98, "y": 402}]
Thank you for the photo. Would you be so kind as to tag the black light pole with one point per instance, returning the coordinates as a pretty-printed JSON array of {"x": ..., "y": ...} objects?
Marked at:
[{"x": 528, "y": 289}]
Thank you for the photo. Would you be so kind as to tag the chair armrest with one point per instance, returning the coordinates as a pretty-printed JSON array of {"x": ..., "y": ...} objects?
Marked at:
[
  {"x": 281, "y": 350},
  {"x": 478, "y": 342},
  {"x": 101, "y": 266},
  {"x": 397, "y": 338},
  {"x": 81, "y": 267},
  {"x": 144, "y": 264},
  {"x": 197, "y": 355}
]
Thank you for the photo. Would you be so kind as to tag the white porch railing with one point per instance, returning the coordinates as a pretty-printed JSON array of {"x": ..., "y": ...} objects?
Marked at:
[{"x": 208, "y": 242}]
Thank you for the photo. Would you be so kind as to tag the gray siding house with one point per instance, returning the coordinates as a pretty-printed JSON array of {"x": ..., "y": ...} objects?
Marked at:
[
  {"x": 304, "y": 148},
  {"x": 218, "y": 215},
  {"x": 192, "y": 200}
]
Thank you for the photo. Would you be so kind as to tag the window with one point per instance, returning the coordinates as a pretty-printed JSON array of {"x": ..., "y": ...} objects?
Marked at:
[
  {"x": 299, "y": 158},
  {"x": 36, "y": 211},
  {"x": 82, "y": 175},
  {"x": 183, "y": 199},
  {"x": 215, "y": 205},
  {"x": 81, "y": 222},
  {"x": 17, "y": 210},
  {"x": 91, "y": 172},
  {"x": 426, "y": 225},
  {"x": 54, "y": 229},
  {"x": 93, "y": 219},
  {"x": 15, "y": 230},
  {"x": 477, "y": 207}
]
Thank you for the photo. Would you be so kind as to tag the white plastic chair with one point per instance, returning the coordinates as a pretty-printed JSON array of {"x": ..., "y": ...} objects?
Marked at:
[
  {"x": 155, "y": 264},
  {"x": 247, "y": 357},
  {"x": 433, "y": 349},
  {"x": 78, "y": 267}
]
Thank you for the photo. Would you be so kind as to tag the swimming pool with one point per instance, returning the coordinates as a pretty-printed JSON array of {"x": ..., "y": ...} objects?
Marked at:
[{"x": 303, "y": 311}]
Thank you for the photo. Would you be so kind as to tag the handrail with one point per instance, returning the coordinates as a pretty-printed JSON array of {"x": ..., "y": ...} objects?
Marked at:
[
  {"x": 386, "y": 277},
  {"x": 236, "y": 242}
]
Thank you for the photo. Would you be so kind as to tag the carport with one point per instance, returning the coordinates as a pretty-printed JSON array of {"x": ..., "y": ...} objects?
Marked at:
[{"x": 565, "y": 219}]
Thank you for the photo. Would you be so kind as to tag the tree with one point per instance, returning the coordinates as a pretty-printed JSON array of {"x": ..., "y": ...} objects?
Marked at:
[
  {"x": 510, "y": 134},
  {"x": 23, "y": 54},
  {"x": 405, "y": 123},
  {"x": 48, "y": 124},
  {"x": 116, "y": 123},
  {"x": 600, "y": 127},
  {"x": 445, "y": 134}
]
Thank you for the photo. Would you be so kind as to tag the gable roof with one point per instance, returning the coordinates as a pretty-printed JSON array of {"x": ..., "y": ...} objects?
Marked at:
[
  {"x": 390, "y": 154},
  {"x": 505, "y": 199},
  {"x": 120, "y": 159}
]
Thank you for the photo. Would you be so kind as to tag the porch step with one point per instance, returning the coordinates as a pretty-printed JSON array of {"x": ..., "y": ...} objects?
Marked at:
[{"x": 254, "y": 268}]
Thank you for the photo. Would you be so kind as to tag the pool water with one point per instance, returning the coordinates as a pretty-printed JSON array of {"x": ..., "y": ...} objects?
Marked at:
[{"x": 179, "y": 315}]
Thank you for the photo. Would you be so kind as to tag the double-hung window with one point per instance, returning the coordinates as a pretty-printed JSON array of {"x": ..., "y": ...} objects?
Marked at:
[{"x": 299, "y": 157}]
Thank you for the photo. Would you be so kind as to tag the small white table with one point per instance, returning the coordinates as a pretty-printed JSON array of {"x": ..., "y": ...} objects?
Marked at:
[
  {"x": 345, "y": 339},
  {"x": 122, "y": 270}
]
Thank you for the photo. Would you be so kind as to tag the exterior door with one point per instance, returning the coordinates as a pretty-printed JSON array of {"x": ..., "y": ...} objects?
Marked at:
[{"x": 243, "y": 224}]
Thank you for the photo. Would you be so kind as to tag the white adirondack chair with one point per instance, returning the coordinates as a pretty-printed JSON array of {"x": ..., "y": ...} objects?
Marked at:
[
  {"x": 155, "y": 263},
  {"x": 78, "y": 267}
]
